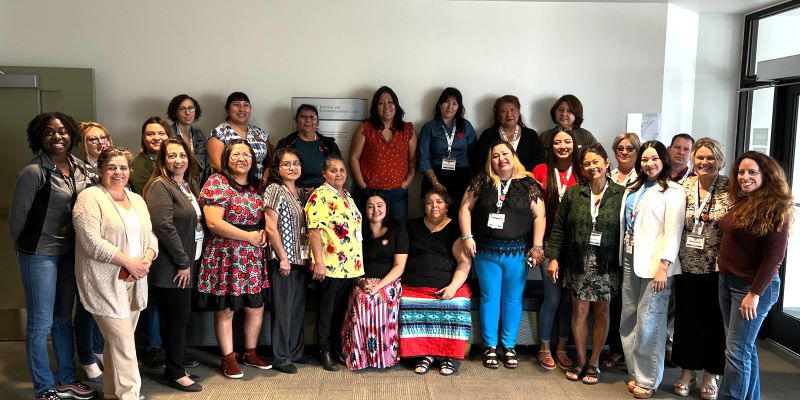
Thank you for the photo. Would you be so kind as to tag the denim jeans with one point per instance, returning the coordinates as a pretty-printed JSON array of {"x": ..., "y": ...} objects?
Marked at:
[
  {"x": 643, "y": 327},
  {"x": 741, "y": 380},
  {"x": 148, "y": 334},
  {"x": 50, "y": 289},
  {"x": 555, "y": 304},
  {"x": 502, "y": 281},
  {"x": 88, "y": 339}
]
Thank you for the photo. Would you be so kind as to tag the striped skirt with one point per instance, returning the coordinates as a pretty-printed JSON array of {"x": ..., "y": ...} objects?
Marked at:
[
  {"x": 369, "y": 332},
  {"x": 433, "y": 327}
]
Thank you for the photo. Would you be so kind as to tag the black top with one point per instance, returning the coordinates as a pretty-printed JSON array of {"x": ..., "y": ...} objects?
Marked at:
[
  {"x": 379, "y": 252},
  {"x": 529, "y": 150},
  {"x": 516, "y": 208},
  {"x": 430, "y": 255}
]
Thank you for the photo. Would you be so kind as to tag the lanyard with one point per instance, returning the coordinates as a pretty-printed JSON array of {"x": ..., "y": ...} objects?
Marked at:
[
  {"x": 594, "y": 204},
  {"x": 562, "y": 187},
  {"x": 699, "y": 207},
  {"x": 450, "y": 137},
  {"x": 635, "y": 211},
  {"x": 501, "y": 194}
]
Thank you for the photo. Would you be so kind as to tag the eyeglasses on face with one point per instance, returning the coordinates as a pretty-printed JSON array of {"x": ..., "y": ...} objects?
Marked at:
[
  {"x": 290, "y": 164},
  {"x": 98, "y": 140},
  {"x": 246, "y": 156},
  {"x": 307, "y": 117},
  {"x": 187, "y": 110},
  {"x": 623, "y": 149}
]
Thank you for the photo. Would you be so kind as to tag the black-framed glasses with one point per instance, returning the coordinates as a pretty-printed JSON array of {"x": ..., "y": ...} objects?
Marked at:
[{"x": 623, "y": 149}]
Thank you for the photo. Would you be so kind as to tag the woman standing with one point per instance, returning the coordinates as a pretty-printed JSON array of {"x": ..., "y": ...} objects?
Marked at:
[
  {"x": 651, "y": 222},
  {"x": 435, "y": 319},
  {"x": 288, "y": 266},
  {"x": 183, "y": 110},
  {"x": 584, "y": 242},
  {"x": 755, "y": 233},
  {"x": 509, "y": 126},
  {"x": 237, "y": 126},
  {"x": 369, "y": 334},
  {"x": 561, "y": 172},
  {"x": 40, "y": 218},
  {"x": 498, "y": 208},
  {"x": 445, "y": 147},
  {"x": 383, "y": 152},
  {"x": 567, "y": 114},
  {"x": 154, "y": 132},
  {"x": 114, "y": 252},
  {"x": 175, "y": 214},
  {"x": 334, "y": 234},
  {"x": 233, "y": 276}
]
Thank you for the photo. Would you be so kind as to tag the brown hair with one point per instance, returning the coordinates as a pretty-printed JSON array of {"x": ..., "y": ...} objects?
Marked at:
[
  {"x": 575, "y": 107},
  {"x": 510, "y": 99},
  {"x": 767, "y": 208},
  {"x": 161, "y": 172}
]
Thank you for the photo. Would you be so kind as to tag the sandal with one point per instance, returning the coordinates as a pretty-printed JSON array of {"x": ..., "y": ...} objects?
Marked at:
[
  {"x": 575, "y": 373},
  {"x": 447, "y": 368},
  {"x": 510, "y": 359},
  {"x": 709, "y": 392},
  {"x": 490, "y": 358},
  {"x": 423, "y": 366},
  {"x": 591, "y": 375},
  {"x": 631, "y": 385},
  {"x": 642, "y": 393},
  {"x": 613, "y": 360},
  {"x": 564, "y": 362},
  {"x": 546, "y": 360},
  {"x": 682, "y": 388}
]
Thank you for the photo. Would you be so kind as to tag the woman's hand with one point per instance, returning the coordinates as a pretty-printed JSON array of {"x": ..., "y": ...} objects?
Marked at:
[
  {"x": 552, "y": 270},
  {"x": 319, "y": 272},
  {"x": 284, "y": 268},
  {"x": 138, "y": 268},
  {"x": 182, "y": 277},
  {"x": 660, "y": 280},
  {"x": 446, "y": 293},
  {"x": 537, "y": 255},
  {"x": 749, "y": 305},
  {"x": 469, "y": 245},
  {"x": 257, "y": 238}
]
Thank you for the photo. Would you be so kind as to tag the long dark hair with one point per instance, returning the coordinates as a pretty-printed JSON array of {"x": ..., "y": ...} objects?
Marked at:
[
  {"x": 252, "y": 179},
  {"x": 153, "y": 120},
  {"x": 663, "y": 176},
  {"x": 510, "y": 99},
  {"x": 274, "y": 169},
  {"x": 551, "y": 200},
  {"x": 374, "y": 118},
  {"x": 767, "y": 208},
  {"x": 388, "y": 222},
  {"x": 447, "y": 93},
  {"x": 161, "y": 171}
]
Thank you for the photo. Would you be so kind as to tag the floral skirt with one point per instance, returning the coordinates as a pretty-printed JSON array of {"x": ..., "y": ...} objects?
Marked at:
[
  {"x": 591, "y": 284},
  {"x": 430, "y": 326},
  {"x": 369, "y": 332}
]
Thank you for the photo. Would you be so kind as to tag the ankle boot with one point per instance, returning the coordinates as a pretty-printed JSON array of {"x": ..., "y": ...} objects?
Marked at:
[{"x": 327, "y": 361}]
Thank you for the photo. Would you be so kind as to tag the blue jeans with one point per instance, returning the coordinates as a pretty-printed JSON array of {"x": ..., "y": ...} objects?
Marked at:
[
  {"x": 741, "y": 380},
  {"x": 50, "y": 289},
  {"x": 88, "y": 339},
  {"x": 147, "y": 330},
  {"x": 502, "y": 280},
  {"x": 643, "y": 328},
  {"x": 555, "y": 304}
]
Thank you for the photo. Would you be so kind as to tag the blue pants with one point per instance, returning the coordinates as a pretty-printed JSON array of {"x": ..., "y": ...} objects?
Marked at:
[
  {"x": 88, "y": 339},
  {"x": 556, "y": 303},
  {"x": 741, "y": 380},
  {"x": 147, "y": 331},
  {"x": 50, "y": 289},
  {"x": 502, "y": 281}
]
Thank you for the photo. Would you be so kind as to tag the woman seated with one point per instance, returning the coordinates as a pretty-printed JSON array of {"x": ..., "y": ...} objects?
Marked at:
[
  {"x": 369, "y": 334},
  {"x": 435, "y": 320}
]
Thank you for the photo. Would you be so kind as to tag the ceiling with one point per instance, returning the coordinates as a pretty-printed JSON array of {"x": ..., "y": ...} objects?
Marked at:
[{"x": 701, "y": 6}]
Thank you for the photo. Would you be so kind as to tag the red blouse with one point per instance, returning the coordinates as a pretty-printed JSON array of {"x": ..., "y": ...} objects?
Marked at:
[
  {"x": 540, "y": 174},
  {"x": 384, "y": 165}
]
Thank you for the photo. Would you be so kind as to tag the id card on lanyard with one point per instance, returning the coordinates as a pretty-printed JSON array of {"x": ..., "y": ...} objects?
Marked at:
[
  {"x": 562, "y": 186},
  {"x": 628, "y": 237},
  {"x": 449, "y": 163},
  {"x": 696, "y": 239},
  {"x": 595, "y": 237},
  {"x": 496, "y": 219}
]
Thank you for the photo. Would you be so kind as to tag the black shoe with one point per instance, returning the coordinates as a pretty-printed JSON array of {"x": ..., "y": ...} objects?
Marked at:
[
  {"x": 326, "y": 359},
  {"x": 189, "y": 361},
  {"x": 285, "y": 368},
  {"x": 154, "y": 358},
  {"x": 194, "y": 387}
]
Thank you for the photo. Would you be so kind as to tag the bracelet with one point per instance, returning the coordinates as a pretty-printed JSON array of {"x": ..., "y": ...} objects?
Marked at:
[
  {"x": 538, "y": 248},
  {"x": 465, "y": 237}
]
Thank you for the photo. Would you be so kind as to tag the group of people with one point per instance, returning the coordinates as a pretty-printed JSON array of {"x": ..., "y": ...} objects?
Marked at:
[{"x": 233, "y": 223}]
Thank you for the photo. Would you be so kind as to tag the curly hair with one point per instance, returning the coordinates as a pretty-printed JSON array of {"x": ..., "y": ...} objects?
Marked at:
[
  {"x": 174, "y": 107},
  {"x": 39, "y": 123},
  {"x": 767, "y": 208}
]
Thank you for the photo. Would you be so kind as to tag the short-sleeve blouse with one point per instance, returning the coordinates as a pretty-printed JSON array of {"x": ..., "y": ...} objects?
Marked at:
[
  {"x": 339, "y": 223},
  {"x": 430, "y": 255},
  {"x": 696, "y": 261},
  {"x": 291, "y": 220},
  {"x": 384, "y": 165},
  {"x": 256, "y": 136},
  {"x": 379, "y": 252}
]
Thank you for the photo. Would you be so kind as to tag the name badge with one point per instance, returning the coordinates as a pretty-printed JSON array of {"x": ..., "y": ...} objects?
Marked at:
[
  {"x": 628, "y": 243},
  {"x": 695, "y": 242},
  {"x": 359, "y": 236},
  {"x": 496, "y": 221},
  {"x": 697, "y": 229},
  {"x": 595, "y": 238},
  {"x": 198, "y": 250},
  {"x": 449, "y": 164},
  {"x": 304, "y": 250}
]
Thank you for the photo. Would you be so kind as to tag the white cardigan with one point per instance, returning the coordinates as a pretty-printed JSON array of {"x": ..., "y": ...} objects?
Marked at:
[{"x": 657, "y": 230}]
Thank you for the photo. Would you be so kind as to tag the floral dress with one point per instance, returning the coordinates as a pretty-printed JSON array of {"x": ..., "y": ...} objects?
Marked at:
[{"x": 233, "y": 272}]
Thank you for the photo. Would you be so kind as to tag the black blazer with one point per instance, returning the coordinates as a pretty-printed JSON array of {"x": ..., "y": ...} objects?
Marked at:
[
  {"x": 529, "y": 151},
  {"x": 174, "y": 221}
]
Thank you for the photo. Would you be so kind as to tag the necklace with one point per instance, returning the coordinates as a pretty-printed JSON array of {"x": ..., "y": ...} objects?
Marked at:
[{"x": 504, "y": 136}]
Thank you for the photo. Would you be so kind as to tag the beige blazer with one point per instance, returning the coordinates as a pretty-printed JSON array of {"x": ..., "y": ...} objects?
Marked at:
[{"x": 100, "y": 233}]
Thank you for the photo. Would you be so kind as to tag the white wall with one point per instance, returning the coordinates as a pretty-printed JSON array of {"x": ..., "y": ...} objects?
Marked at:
[
  {"x": 610, "y": 55},
  {"x": 679, "y": 72}
]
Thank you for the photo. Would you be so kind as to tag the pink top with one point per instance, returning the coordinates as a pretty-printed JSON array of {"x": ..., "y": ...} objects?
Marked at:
[{"x": 384, "y": 165}]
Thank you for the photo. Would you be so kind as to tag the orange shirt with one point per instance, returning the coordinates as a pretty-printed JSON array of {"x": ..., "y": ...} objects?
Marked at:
[{"x": 384, "y": 165}]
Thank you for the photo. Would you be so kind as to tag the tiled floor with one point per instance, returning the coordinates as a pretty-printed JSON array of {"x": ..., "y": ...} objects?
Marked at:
[{"x": 780, "y": 377}]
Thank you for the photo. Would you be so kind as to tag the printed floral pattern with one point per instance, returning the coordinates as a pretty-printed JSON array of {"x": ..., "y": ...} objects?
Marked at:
[
  {"x": 696, "y": 261},
  {"x": 338, "y": 221}
]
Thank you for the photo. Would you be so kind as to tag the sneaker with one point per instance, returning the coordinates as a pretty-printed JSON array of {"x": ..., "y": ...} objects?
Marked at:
[
  {"x": 75, "y": 390},
  {"x": 230, "y": 368},
  {"x": 252, "y": 359},
  {"x": 154, "y": 358},
  {"x": 48, "y": 395}
]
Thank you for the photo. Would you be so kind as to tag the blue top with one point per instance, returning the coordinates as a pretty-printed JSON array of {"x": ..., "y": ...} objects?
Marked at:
[
  {"x": 632, "y": 200},
  {"x": 433, "y": 145}
]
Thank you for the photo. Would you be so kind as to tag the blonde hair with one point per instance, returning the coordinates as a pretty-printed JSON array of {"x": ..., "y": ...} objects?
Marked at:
[
  {"x": 519, "y": 169},
  {"x": 86, "y": 125}
]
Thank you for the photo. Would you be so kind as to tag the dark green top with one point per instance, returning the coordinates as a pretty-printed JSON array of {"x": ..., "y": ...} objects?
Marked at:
[
  {"x": 582, "y": 137},
  {"x": 141, "y": 169},
  {"x": 569, "y": 239}
]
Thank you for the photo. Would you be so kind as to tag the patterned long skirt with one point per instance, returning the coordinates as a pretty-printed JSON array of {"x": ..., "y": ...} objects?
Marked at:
[
  {"x": 433, "y": 327},
  {"x": 369, "y": 333}
]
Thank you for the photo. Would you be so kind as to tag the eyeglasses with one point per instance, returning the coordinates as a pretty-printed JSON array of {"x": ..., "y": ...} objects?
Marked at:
[
  {"x": 246, "y": 156},
  {"x": 307, "y": 117},
  {"x": 98, "y": 140},
  {"x": 187, "y": 109},
  {"x": 50, "y": 131},
  {"x": 288, "y": 165},
  {"x": 629, "y": 149}
]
